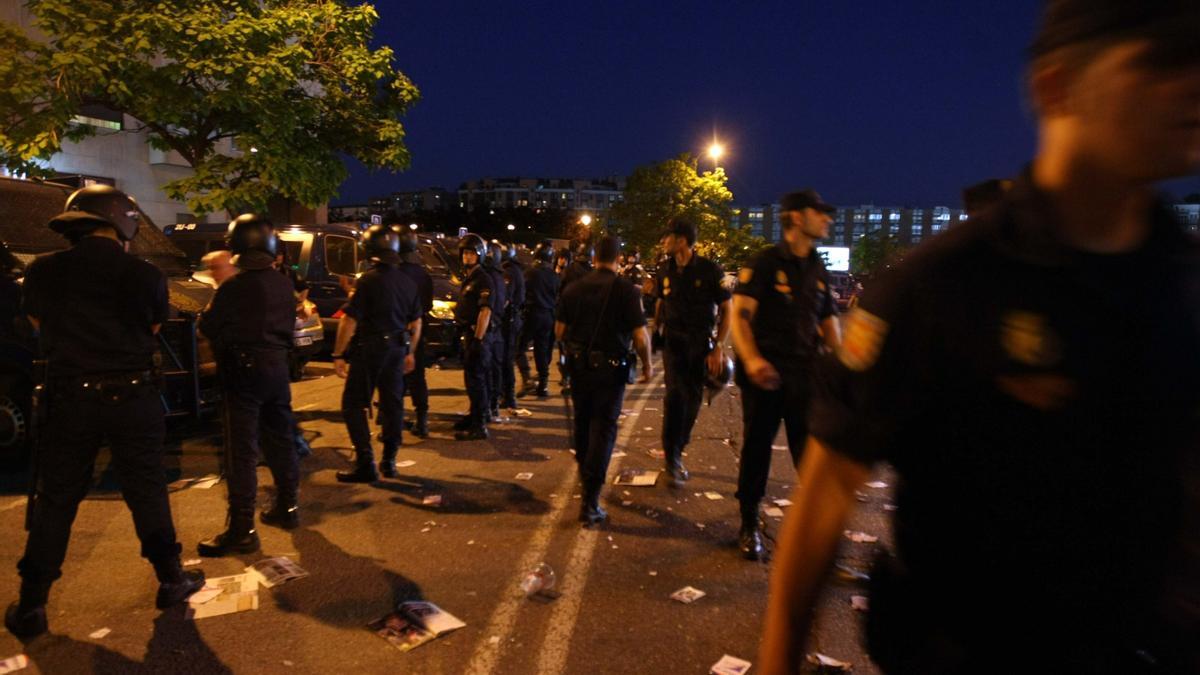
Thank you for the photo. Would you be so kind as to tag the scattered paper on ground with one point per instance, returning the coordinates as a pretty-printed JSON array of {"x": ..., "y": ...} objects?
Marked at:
[
  {"x": 618, "y": 453},
  {"x": 779, "y": 447},
  {"x": 275, "y": 571},
  {"x": 656, "y": 453},
  {"x": 730, "y": 665},
  {"x": 192, "y": 562},
  {"x": 236, "y": 593},
  {"x": 432, "y": 500},
  {"x": 524, "y": 475},
  {"x": 687, "y": 595},
  {"x": 205, "y": 482},
  {"x": 522, "y": 412},
  {"x": 889, "y": 507},
  {"x": 782, "y": 502},
  {"x": 859, "y": 602},
  {"x": 822, "y": 661},
  {"x": 860, "y": 537},
  {"x": 877, "y": 484},
  {"x": 773, "y": 511},
  {"x": 413, "y": 624},
  {"x": 99, "y": 634},
  {"x": 637, "y": 477},
  {"x": 713, "y": 495},
  {"x": 14, "y": 663},
  {"x": 406, "y": 463}
]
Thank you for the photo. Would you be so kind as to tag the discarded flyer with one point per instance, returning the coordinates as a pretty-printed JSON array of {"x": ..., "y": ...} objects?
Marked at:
[
  {"x": 99, "y": 634},
  {"x": 730, "y": 665},
  {"x": 781, "y": 502},
  {"x": 714, "y": 495},
  {"x": 432, "y": 500},
  {"x": 656, "y": 453},
  {"x": 406, "y": 463},
  {"x": 779, "y": 447},
  {"x": 618, "y": 453},
  {"x": 828, "y": 662},
  {"x": 273, "y": 572},
  {"x": 413, "y": 624},
  {"x": 524, "y": 475},
  {"x": 224, "y": 595},
  {"x": 773, "y": 511},
  {"x": 637, "y": 477},
  {"x": 522, "y": 412},
  {"x": 192, "y": 562},
  {"x": 687, "y": 595},
  {"x": 860, "y": 602},
  {"x": 860, "y": 537},
  {"x": 877, "y": 484},
  {"x": 14, "y": 663},
  {"x": 205, "y": 482}
]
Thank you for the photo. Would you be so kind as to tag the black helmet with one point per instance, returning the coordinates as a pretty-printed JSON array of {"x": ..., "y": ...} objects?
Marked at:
[
  {"x": 508, "y": 252},
  {"x": 408, "y": 240},
  {"x": 381, "y": 242},
  {"x": 251, "y": 239},
  {"x": 495, "y": 253},
  {"x": 98, "y": 206},
  {"x": 715, "y": 384},
  {"x": 475, "y": 243},
  {"x": 633, "y": 257},
  {"x": 585, "y": 250},
  {"x": 544, "y": 251}
]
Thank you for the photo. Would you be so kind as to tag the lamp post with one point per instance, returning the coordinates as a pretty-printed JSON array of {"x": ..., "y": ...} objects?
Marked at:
[{"x": 715, "y": 152}]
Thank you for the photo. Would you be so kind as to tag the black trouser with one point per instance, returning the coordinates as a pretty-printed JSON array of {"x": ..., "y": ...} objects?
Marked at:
[
  {"x": 374, "y": 365},
  {"x": 79, "y": 420},
  {"x": 508, "y": 384},
  {"x": 258, "y": 418},
  {"x": 596, "y": 396},
  {"x": 495, "y": 340},
  {"x": 476, "y": 360},
  {"x": 684, "y": 370},
  {"x": 415, "y": 383},
  {"x": 762, "y": 411},
  {"x": 539, "y": 330}
]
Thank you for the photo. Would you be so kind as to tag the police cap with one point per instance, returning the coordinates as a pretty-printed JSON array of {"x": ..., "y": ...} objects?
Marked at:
[
  {"x": 252, "y": 241},
  {"x": 98, "y": 206},
  {"x": 1172, "y": 26},
  {"x": 805, "y": 199}
]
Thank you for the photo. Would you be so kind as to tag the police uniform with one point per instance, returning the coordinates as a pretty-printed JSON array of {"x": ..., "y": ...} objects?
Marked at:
[
  {"x": 690, "y": 297},
  {"x": 794, "y": 297},
  {"x": 514, "y": 279},
  {"x": 600, "y": 311},
  {"x": 415, "y": 382},
  {"x": 574, "y": 271},
  {"x": 495, "y": 334},
  {"x": 250, "y": 324},
  {"x": 541, "y": 295},
  {"x": 477, "y": 294},
  {"x": 1039, "y": 405},
  {"x": 97, "y": 308}
]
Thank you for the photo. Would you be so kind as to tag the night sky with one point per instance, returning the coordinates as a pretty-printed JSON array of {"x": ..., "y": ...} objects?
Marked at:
[{"x": 891, "y": 103}]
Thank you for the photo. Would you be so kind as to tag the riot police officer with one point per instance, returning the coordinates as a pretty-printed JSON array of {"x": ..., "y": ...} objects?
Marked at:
[
  {"x": 598, "y": 317},
  {"x": 473, "y": 313},
  {"x": 250, "y": 323},
  {"x": 579, "y": 264},
  {"x": 491, "y": 265},
  {"x": 514, "y": 281},
  {"x": 690, "y": 297},
  {"x": 98, "y": 309},
  {"x": 782, "y": 298},
  {"x": 541, "y": 294},
  {"x": 414, "y": 381},
  {"x": 381, "y": 321}
]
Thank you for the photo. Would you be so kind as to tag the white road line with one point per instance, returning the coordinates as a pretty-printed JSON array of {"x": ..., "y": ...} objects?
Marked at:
[{"x": 504, "y": 618}]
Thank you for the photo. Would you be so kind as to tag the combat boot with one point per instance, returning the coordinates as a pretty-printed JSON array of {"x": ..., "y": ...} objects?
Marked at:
[
  {"x": 543, "y": 388},
  {"x": 421, "y": 428},
  {"x": 284, "y": 514},
  {"x": 387, "y": 462},
  {"x": 26, "y": 618},
  {"x": 174, "y": 584},
  {"x": 750, "y": 537},
  {"x": 364, "y": 469},
  {"x": 679, "y": 475},
  {"x": 239, "y": 537},
  {"x": 590, "y": 512},
  {"x": 476, "y": 433},
  {"x": 465, "y": 422}
]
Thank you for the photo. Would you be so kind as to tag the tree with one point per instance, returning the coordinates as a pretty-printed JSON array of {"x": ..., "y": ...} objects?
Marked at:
[
  {"x": 874, "y": 252},
  {"x": 657, "y": 193},
  {"x": 260, "y": 97}
]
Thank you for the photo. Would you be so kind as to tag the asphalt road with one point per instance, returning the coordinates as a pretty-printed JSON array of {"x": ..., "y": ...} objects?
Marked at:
[{"x": 367, "y": 547}]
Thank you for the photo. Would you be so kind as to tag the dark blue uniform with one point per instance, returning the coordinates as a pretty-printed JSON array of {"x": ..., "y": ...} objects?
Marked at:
[
  {"x": 418, "y": 388},
  {"x": 96, "y": 305},
  {"x": 250, "y": 325},
  {"x": 541, "y": 295},
  {"x": 496, "y": 338},
  {"x": 477, "y": 293},
  {"x": 514, "y": 280}
]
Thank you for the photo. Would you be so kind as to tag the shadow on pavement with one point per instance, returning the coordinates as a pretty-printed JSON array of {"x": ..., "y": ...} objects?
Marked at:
[{"x": 474, "y": 495}]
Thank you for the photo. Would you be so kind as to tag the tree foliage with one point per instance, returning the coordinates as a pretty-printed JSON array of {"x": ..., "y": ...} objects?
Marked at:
[
  {"x": 296, "y": 80},
  {"x": 874, "y": 252},
  {"x": 657, "y": 193}
]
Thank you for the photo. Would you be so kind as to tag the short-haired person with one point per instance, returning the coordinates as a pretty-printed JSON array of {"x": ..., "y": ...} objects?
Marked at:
[
  {"x": 217, "y": 266},
  {"x": 1034, "y": 379},
  {"x": 598, "y": 318}
]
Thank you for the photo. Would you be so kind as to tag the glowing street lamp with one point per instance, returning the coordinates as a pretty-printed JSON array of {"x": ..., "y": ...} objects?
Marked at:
[
  {"x": 586, "y": 219},
  {"x": 511, "y": 227},
  {"x": 412, "y": 226},
  {"x": 715, "y": 152}
]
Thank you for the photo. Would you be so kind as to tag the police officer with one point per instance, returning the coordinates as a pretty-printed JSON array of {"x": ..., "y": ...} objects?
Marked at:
[
  {"x": 633, "y": 270},
  {"x": 1032, "y": 376},
  {"x": 782, "y": 298},
  {"x": 514, "y": 282},
  {"x": 690, "y": 297},
  {"x": 541, "y": 294},
  {"x": 414, "y": 381},
  {"x": 578, "y": 265},
  {"x": 473, "y": 314},
  {"x": 491, "y": 265},
  {"x": 597, "y": 318},
  {"x": 98, "y": 309},
  {"x": 250, "y": 323},
  {"x": 381, "y": 321}
]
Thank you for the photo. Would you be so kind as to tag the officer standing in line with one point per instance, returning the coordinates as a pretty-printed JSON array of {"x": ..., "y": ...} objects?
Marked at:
[
  {"x": 562, "y": 260},
  {"x": 597, "y": 318},
  {"x": 783, "y": 299},
  {"x": 250, "y": 323},
  {"x": 473, "y": 314},
  {"x": 580, "y": 264},
  {"x": 1033, "y": 378},
  {"x": 380, "y": 323},
  {"x": 541, "y": 294},
  {"x": 514, "y": 279},
  {"x": 414, "y": 381},
  {"x": 98, "y": 309},
  {"x": 491, "y": 265},
  {"x": 690, "y": 295}
]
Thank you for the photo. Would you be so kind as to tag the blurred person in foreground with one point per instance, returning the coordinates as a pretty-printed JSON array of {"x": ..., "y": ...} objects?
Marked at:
[{"x": 1034, "y": 378}]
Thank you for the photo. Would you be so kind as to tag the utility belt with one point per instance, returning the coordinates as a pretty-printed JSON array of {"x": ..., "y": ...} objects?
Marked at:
[
  {"x": 382, "y": 341},
  {"x": 111, "y": 387},
  {"x": 579, "y": 359}
]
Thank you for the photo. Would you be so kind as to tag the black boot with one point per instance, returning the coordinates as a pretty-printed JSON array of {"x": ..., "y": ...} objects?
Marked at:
[
  {"x": 543, "y": 388},
  {"x": 364, "y": 469},
  {"x": 174, "y": 584},
  {"x": 476, "y": 433},
  {"x": 463, "y": 423},
  {"x": 284, "y": 514},
  {"x": 27, "y": 618},
  {"x": 750, "y": 538},
  {"x": 421, "y": 428},
  {"x": 387, "y": 462},
  {"x": 590, "y": 512},
  {"x": 239, "y": 537},
  {"x": 679, "y": 475}
]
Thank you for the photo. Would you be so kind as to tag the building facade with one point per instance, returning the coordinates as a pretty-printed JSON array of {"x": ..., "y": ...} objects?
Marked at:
[
  {"x": 541, "y": 193},
  {"x": 850, "y": 223}
]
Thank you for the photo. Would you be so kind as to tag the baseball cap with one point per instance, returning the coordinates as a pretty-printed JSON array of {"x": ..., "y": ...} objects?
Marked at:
[
  {"x": 805, "y": 199},
  {"x": 1172, "y": 26}
]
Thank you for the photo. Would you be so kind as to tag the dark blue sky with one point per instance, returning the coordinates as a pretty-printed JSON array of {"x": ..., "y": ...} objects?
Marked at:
[{"x": 868, "y": 101}]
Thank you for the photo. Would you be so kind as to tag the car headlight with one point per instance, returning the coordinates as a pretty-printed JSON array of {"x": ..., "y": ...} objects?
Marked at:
[{"x": 443, "y": 309}]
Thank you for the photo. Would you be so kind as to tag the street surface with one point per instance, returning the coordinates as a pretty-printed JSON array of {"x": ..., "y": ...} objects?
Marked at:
[{"x": 370, "y": 546}]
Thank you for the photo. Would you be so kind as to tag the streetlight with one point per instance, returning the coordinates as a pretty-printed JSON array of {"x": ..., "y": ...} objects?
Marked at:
[
  {"x": 715, "y": 152},
  {"x": 412, "y": 226},
  {"x": 586, "y": 219},
  {"x": 511, "y": 227}
]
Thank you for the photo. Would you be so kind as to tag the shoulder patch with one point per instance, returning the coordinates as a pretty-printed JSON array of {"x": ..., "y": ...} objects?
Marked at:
[
  {"x": 865, "y": 334},
  {"x": 746, "y": 275}
]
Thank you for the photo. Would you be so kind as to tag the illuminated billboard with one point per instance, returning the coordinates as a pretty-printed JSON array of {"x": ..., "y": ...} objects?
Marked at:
[{"x": 837, "y": 258}]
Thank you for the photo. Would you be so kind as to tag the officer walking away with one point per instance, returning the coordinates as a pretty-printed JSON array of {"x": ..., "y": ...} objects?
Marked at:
[
  {"x": 414, "y": 381},
  {"x": 598, "y": 317},
  {"x": 541, "y": 294},
  {"x": 98, "y": 309},
  {"x": 473, "y": 314},
  {"x": 250, "y": 323},
  {"x": 1032, "y": 376},
  {"x": 782, "y": 301},
  {"x": 691, "y": 301},
  {"x": 491, "y": 265},
  {"x": 514, "y": 280},
  {"x": 379, "y": 324}
]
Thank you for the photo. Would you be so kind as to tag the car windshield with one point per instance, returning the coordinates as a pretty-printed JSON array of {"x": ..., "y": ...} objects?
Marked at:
[{"x": 432, "y": 261}]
